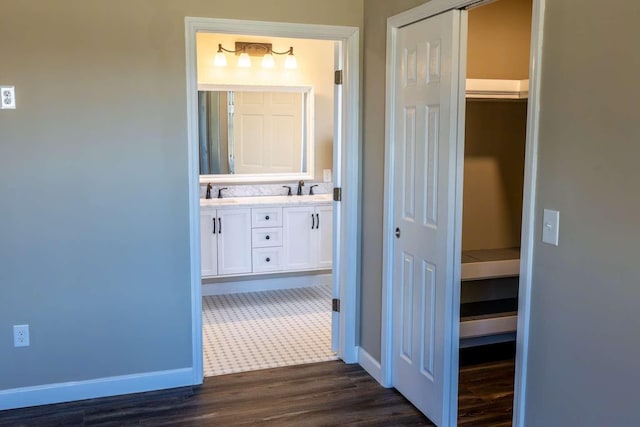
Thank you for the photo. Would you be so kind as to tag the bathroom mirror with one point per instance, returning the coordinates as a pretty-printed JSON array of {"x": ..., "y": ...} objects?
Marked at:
[{"x": 255, "y": 133}]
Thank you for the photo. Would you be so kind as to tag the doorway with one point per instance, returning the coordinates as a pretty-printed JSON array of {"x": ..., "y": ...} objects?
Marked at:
[
  {"x": 344, "y": 212},
  {"x": 398, "y": 323},
  {"x": 496, "y": 101}
]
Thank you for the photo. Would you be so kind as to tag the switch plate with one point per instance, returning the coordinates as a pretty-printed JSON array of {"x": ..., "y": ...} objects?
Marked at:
[
  {"x": 7, "y": 98},
  {"x": 326, "y": 175},
  {"x": 550, "y": 227},
  {"x": 21, "y": 335}
]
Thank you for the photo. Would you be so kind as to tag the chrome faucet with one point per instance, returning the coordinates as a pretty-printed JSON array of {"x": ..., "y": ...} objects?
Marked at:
[{"x": 300, "y": 185}]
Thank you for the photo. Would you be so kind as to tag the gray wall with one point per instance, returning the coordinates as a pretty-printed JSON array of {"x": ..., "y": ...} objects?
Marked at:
[
  {"x": 584, "y": 347},
  {"x": 94, "y": 233}
]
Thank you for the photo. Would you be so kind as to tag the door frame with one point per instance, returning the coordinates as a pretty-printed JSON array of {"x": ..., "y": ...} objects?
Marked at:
[
  {"x": 395, "y": 22},
  {"x": 346, "y": 162}
]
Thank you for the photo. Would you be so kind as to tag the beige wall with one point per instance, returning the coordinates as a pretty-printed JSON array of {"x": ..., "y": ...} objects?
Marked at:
[
  {"x": 499, "y": 40},
  {"x": 498, "y": 47},
  {"x": 493, "y": 174},
  {"x": 94, "y": 181},
  {"x": 315, "y": 68},
  {"x": 584, "y": 348}
]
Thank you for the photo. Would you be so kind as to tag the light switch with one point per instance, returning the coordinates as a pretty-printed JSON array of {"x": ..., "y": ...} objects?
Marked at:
[
  {"x": 550, "y": 225},
  {"x": 326, "y": 175}
]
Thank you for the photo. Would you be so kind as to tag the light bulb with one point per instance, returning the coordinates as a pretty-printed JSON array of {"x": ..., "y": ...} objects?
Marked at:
[
  {"x": 220, "y": 60},
  {"x": 267, "y": 61},
  {"x": 290, "y": 62},
  {"x": 244, "y": 61}
]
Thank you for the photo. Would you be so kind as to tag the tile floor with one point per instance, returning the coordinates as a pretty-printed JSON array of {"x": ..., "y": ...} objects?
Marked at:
[{"x": 259, "y": 330}]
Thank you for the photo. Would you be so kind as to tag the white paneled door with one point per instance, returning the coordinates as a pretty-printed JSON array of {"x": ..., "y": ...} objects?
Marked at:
[
  {"x": 268, "y": 132},
  {"x": 425, "y": 134}
]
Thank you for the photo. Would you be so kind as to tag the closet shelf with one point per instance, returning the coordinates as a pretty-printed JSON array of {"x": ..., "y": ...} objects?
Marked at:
[
  {"x": 490, "y": 264},
  {"x": 497, "y": 89},
  {"x": 488, "y": 324}
]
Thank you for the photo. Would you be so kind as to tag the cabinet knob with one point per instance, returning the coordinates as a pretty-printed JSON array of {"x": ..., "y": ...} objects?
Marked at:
[
  {"x": 268, "y": 260},
  {"x": 266, "y": 217},
  {"x": 268, "y": 237}
]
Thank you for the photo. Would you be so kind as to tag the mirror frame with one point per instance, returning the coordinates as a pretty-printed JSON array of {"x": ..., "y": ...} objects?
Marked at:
[{"x": 307, "y": 91}]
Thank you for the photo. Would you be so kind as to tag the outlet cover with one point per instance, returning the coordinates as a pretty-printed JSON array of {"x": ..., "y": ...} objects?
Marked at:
[
  {"x": 7, "y": 98},
  {"x": 21, "y": 335}
]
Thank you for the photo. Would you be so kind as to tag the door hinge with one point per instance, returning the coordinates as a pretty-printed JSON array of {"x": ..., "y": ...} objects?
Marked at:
[
  {"x": 337, "y": 78},
  {"x": 337, "y": 194},
  {"x": 335, "y": 305}
]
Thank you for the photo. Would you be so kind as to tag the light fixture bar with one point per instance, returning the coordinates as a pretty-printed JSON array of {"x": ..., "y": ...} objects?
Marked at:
[
  {"x": 252, "y": 48},
  {"x": 246, "y": 49}
]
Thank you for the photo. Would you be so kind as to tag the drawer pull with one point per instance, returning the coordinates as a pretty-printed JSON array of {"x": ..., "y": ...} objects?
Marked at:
[
  {"x": 268, "y": 260},
  {"x": 266, "y": 218},
  {"x": 268, "y": 237}
]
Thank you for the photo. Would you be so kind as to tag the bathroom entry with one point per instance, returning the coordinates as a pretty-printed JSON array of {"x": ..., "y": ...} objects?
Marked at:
[{"x": 268, "y": 282}]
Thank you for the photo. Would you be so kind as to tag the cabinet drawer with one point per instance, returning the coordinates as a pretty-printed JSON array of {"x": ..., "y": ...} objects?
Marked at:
[
  {"x": 267, "y": 259},
  {"x": 266, "y": 237},
  {"x": 266, "y": 217}
]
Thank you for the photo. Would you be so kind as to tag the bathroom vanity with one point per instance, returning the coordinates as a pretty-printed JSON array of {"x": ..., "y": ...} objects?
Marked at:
[{"x": 246, "y": 236}]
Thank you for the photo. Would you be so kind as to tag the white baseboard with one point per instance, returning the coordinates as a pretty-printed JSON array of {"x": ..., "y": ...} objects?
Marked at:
[
  {"x": 79, "y": 390},
  {"x": 264, "y": 284},
  {"x": 371, "y": 365}
]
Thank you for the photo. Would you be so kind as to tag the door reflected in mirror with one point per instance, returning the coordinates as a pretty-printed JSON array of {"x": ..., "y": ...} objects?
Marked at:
[{"x": 256, "y": 132}]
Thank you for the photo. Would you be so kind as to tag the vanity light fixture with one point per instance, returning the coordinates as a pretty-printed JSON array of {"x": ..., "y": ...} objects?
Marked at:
[{"x": 245, "y": 50}]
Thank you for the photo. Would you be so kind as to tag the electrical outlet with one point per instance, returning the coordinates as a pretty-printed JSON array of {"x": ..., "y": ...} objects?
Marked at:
[
  {"x": 7, "y": 97},
  {"x": 21, "y": 335}
]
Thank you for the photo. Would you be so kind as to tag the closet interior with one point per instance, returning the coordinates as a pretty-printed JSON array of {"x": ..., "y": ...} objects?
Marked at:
[{"x": 495, "y": 134}]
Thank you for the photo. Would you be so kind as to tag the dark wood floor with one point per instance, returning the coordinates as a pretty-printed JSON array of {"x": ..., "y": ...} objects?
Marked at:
[
  {"x": 485, "y": 394},
  {"x": 329, "y": 393}
]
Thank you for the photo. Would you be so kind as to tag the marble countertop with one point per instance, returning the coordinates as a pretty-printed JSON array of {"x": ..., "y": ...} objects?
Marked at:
[{"x": 266, "y": 201}]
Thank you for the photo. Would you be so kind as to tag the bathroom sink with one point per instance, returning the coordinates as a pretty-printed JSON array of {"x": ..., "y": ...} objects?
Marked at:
[
  {"x": 267, "y": 200},
  {"x": 219, "y": 202},
  {"x": 293, "y": 199}
]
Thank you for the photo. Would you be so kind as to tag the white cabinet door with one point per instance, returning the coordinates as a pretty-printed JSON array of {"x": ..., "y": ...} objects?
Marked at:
[
  {"x": 208, "y": 244},
  {"x": 298, "y": 238},
  {"x": 234, "y": 241},
  {"x": 324, "y": 234},
  {"x": 307, "y": 237}
]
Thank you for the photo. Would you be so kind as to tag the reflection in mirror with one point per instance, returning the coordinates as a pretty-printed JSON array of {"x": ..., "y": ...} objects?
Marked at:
[{"x": 255, "y": 132}]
